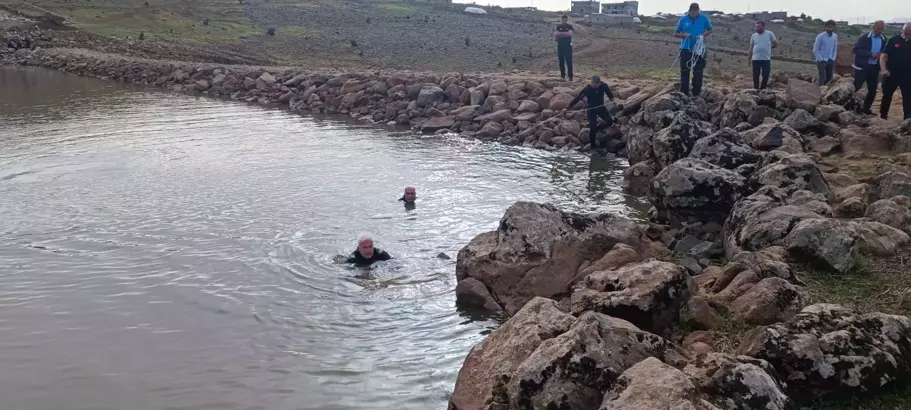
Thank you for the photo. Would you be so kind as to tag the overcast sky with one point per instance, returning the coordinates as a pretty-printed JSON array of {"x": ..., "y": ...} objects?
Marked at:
[{"x": 851, "y": 10}]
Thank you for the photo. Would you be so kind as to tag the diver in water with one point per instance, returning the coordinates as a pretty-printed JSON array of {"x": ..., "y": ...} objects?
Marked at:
[
  {"x": 409, "y": 196},
  {"x": 366, "y": 254}
]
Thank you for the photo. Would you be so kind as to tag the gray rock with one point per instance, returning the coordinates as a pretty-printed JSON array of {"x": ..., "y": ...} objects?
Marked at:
[
  {"x": 880, "y": 239},
  {"x": 856, "y": 140},
  {"x": 772, "y": 300},
  {"x": 853, "y": 207},
  {"x": 652, "y": 384},
  {"x": 828, "y": 349},
  {"x": 698, "y": 314},
  {"x": 738, "y": 108},
  {"x": 677, "y": 140},
  {"x": 773, "y": 135},
  {"x": 725, "y": 149},
  {"x": 738, "y": 383},
  {"x": 802, "y": 121},
  {"x": 802, "y": 94},
  {"x": 830, "y": 243},
  {"x": 828, "y": 112},
  {"x": 760, "y": 114},
  {"x": 538, "y": 251},
  {"x": 438, "y": 123},
  {"x": 889, "y": 185},
  {"x": 491, "y": 129},
  {"x": 691, "y": 189},
  {"x": 648, "y": 294},
  {"x": 842, "y": 93},
  {"x": 792, "y": 173},
  {"x": 886, "y": 211},
  {"x": 502, "y": 352},
  {"x": 636, "y": 178},
  {"x": 826, "y": 145},
  {"x": 529, "y": 106}
]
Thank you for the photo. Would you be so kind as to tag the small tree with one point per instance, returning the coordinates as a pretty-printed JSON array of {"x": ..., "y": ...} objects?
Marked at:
[
  {"x": 270, "y": 31},
  {"x": 205, "y": 21},
  {"x": 142, "y": 36}
]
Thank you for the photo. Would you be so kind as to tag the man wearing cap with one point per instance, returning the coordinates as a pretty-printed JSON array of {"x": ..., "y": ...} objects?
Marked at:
[
  {"x": 693, "y": 28},
  {"x": 594, "y": 93}
]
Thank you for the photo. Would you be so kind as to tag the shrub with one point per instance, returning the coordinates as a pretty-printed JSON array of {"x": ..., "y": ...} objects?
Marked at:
[{"x": 270, "y": 31}]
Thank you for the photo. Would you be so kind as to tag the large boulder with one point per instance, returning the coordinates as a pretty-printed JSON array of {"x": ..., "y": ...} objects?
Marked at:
[
  {"x": 691, "y": 189},
  {"x": 430, "y": 95},
  {"x": 490, "y": 130},
  {"x": 772, "y": 135},
  {"x": 802, "y": 94},
  {"x": 529, "y": 106},
  {"x": 842, "y": 93},
  {"x": 772, "y": 300},
  {"x": 651, "y": 384},
  {"x": 880, "y": 239},
  {"x": 792, "y": 173},
  {"x": 560, "y": 102},
  {"x": 828, "y": 349},
  {"x": 761, "y": 221},
  {"x": 871, "y": 140},
  {"x": 828, "y": 112},
  {"x": 638, "y": 177},
  {"x": 802, "y": 121},
  {"x": 738, "y": 383},
  {"x": 746, "y": 269},
  {"x": 538, "y": 250},
  {"x": 889, "y": 212},
  {"x": 890, "y": 184},
  {"x": 725, "y": 149},
  {"x": 574, "y": 370},
  {"x": 501, "y": 353},
  {"x": 545, "y": 358},
  {"x": 435, "y": 124},
  {"x": 639, "y": 141},
  {"x": 676, "y": 141},
  {"x": 738, "y": 108},
  {"x": 650, "y": 294}
]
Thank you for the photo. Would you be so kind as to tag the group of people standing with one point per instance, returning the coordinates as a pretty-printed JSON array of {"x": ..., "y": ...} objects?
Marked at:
[{"x": 877, "y": 59}]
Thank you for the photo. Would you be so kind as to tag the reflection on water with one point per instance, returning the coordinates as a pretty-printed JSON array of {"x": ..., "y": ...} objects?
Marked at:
[{"x": 169, "y": 252}]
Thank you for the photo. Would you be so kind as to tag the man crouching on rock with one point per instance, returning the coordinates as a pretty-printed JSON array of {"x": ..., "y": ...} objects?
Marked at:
[{"x": 594, "y": 93}]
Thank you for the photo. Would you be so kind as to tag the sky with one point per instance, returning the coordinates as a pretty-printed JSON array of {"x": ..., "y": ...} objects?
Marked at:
[{"x": 850, "y": 10}]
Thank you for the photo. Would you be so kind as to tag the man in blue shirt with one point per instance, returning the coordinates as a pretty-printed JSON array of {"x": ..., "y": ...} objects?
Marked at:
[
  {"x": 693, "y": 28},
  {"x": 867, "y": 50},
  {"x": 825, "y": 49}
]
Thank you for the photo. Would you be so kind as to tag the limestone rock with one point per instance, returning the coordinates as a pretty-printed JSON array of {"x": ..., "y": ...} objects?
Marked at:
[
  {"x": 828, "y": 112},
  {"x": 773, "y": 135},
  {"x": 855, "y": 140},
  {"x": 830, "y": 349},
  {"x": 636, "y": 179},
  {"x": 676, "y": 141},
  {"x": 772, "y": 300},
  {"x": 737, "y": 109},
  {"x": 652, "y": 385},
  {"x": 738, "y": 383},
  {"x": 649, "y": 294},
  {"x": 529, "y": 106},
  {"x": 825, "y": 145},
  {"x": 560, "y": 102},
  {"x": 791, "y": 173},
  {"x": 890, "y": 184},
  {"x": 538, "y": 250}
]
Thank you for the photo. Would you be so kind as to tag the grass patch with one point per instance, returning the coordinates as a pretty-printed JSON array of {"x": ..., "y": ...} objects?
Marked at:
[
  {"x": 874, "y": 285},
  {"x": 861, "y": 169},
  {"x": 398, "y": 9},
  {"x": 892, "y": 397}
]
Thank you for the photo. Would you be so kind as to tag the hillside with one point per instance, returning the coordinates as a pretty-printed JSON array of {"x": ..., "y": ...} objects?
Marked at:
[{"x": 409, "y": 34}]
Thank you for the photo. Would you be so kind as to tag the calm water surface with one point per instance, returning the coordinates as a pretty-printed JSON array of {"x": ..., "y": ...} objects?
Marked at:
[{"x": 162, "y": 251}]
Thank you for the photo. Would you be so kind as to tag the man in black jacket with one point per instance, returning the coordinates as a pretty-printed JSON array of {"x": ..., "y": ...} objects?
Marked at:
[
  {"x": 366, "y": 254},
  {"x": 564, "y": 36},
  {"x": 866, "y": 62},
  {"x": 595, "y": 93},
  {"x": 896, "y": 63}
]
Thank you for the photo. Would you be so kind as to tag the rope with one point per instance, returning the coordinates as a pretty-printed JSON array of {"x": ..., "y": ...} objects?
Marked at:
[
  {"x": 698, "y": 51},
  {"x": 555, "y": 117}
]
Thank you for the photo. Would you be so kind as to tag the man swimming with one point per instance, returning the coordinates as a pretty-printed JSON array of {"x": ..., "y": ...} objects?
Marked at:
[
  {"x": 366, "y": 254},
  {"x": 410, "y": 195}
]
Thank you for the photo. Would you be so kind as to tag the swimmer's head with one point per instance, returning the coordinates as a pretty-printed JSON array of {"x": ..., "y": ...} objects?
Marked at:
[
  {"x": 410, "y": 195},
  {"x": 365, "y": 245}
]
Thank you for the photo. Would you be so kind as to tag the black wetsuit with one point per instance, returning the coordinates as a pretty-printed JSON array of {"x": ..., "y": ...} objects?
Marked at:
[
  {"x": 378, "y": 255},
  {"x": 596, "y": 108}
]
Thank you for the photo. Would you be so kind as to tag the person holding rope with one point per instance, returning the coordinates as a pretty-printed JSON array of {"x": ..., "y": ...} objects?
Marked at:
[
  {"x": 594, "y": 93},
  {"x": 693, "y": 28}
]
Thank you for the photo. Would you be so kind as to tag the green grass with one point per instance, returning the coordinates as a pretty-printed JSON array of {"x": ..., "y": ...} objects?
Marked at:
[
  {"x": 893, "y": 397},
  {"x": 874, "y": 285},
  {"x": 398, "y": 9}
]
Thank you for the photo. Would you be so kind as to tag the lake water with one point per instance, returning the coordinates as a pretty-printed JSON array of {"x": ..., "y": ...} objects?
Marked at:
[{"x": 163, "y": 251}]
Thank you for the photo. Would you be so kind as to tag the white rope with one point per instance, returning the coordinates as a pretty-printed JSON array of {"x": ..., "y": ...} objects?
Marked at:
[
  {"x": 556, "y": 118},
  {"x": 698, "y": 51}
]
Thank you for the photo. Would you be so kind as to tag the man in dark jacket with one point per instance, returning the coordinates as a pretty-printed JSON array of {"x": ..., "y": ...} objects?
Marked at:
[
  {"x": 896, "y": 63},
  {"x": 366, "y": 254},
  {"x": 564, "y": 36},
  {"x": 866, "y": 62},
  {"x": 594, "y": 93}
]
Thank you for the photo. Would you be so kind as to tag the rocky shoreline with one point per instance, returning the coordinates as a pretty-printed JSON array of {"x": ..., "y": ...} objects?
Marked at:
[{"x": 742, "y": 191}]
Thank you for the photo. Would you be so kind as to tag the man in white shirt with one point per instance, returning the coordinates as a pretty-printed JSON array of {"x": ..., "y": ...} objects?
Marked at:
[{"x": 761, "y": 44}]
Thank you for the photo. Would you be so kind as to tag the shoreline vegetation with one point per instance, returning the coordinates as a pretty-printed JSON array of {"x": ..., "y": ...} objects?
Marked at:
[{"x": 772, "y": 271}]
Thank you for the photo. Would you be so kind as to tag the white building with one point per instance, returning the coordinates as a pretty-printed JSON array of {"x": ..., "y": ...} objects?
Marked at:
[
  {"x": 586, "y": 7},
  {"x": 626, "y": 8}
]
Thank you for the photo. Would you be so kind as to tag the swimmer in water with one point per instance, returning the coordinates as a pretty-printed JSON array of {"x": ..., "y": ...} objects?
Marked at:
[
  {"x": 366, "y": 254},
  {"x": 409, "y": 197}
]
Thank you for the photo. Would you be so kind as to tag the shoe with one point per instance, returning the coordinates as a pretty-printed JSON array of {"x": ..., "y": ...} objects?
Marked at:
[
  {"x": 884, "y": 116},
  {"x": 570, "y": 79},
  {"x": 867, "y": 112}
]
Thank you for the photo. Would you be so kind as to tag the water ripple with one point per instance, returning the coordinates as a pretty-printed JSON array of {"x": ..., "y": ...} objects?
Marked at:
[{"x": 169, "y": 252}]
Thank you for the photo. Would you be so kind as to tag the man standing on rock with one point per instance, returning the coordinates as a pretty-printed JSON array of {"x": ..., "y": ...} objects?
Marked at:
[
  {"x": 896, "y": 63},
  {"x": 564, "y": 36},
  {"x": 867, "y": 50},
  {"x": 594, "y": 93},
  {"x": 761, "y": 44},
  {"x": 693, "y": 28},
  {"x": 825, "y": 49}
]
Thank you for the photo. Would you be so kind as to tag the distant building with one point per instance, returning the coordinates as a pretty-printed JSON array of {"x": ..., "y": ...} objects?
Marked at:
[
  {"x": 896, "y": 25},
  {"x": 843, "y": 23},
  {"x": 767, "y": 15},
  {"x": 586, "y": 7},
  {"x": 613, "y": 19},
  {"x": 626, "y": 8}
]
